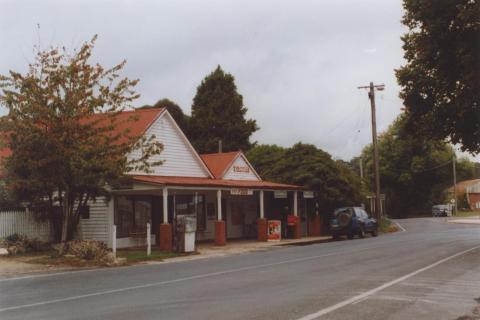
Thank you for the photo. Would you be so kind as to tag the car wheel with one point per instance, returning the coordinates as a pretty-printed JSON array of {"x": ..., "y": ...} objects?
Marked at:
[
  {"x": 374, "y": 233},
  {"x": 361, "y": 232}
]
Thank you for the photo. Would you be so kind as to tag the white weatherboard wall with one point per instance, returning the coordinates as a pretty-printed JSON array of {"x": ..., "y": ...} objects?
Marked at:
[
  {"x": 96, "y": 227},
  {"x": 179, "y": 158},
  {"x": 23, "y": 222},
  {"x": 240, "y": 170}
]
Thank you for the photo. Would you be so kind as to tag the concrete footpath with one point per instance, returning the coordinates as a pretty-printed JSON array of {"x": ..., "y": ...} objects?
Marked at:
[
  {"x": 466, "y": 220},
  {"x": 233, "y": 247},
  {"x": 21, "y": 265}
]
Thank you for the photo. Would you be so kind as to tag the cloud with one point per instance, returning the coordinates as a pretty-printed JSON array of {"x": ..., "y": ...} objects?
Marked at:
[
  {"x": 372, "y": 50},
  {"x": 295, "y": 63}
]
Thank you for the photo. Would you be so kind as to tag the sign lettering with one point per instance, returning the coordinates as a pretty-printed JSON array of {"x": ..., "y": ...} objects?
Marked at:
[
  {"x": 241, "y": 192},
  {"x": 280, "y": 194},
  {"x": 308, "y": 194},
  {"x": 241, "y": 169}
]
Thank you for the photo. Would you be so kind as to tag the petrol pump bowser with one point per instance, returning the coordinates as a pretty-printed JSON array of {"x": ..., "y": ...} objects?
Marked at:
[{"x": 186, "y": 226}]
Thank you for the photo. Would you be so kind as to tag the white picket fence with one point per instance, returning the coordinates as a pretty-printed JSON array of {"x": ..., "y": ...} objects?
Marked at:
[{"x": 23, "y": 222}]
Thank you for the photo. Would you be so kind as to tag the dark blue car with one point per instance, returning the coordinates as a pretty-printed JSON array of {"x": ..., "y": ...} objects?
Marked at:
[{"x": 351, "y": 221}]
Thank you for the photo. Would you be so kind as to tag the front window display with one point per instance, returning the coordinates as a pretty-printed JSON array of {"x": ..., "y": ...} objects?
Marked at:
[
  {"x": 192, "y": 204},
  {"x": 132, "y": 213}
]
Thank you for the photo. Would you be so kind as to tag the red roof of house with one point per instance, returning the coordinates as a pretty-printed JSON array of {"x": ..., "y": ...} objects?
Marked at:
[
  {"x": 143, "y": 118},
  {"x": 218, "y": 163},
  {"x": 5, "y": 152},
  {"x": 137, "y": 121},
  {"x": 207, "y": 182}
]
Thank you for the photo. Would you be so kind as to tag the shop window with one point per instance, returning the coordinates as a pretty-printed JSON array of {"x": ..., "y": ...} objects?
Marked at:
[
  {"x": 143, "y": 214},
  {"x": 191, "y": 204},
  {"x": 184, "y": 204},
  {"x": 132, "y": 214}
]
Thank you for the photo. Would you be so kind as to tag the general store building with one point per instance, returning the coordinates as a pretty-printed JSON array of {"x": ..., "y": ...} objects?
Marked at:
[{"x": 222, "y": 190}]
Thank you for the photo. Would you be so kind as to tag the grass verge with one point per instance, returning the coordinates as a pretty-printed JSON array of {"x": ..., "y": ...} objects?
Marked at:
[
  {"x": 387, "y": 226},
  {"x": 125, "y": 257},
  {"x": 139, "y": 255},
  {"x": 67, "y": 261},
  {"x": 467, "y": 214}
]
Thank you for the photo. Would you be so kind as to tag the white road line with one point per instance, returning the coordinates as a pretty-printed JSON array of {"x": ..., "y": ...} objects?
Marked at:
[
  {"x": 400, "y": 226},
  {"x": 201, "y": 276},
  {"x": 368, "y": 293},
  {"x": 149, "y": 285},
  {"x": 43, "y": 275},
  {"x": 51, "y": 274}
]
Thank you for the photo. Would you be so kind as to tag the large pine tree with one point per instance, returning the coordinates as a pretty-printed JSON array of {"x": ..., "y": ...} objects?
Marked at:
[
  {"x": 218, "y": 113},
  {"x": 174, "y": 109}
]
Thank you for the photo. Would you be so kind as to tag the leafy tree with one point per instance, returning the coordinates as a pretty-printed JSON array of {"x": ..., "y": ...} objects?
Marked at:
[
  {"x": 414, "y": 170},
  {"x": 218, "y": 113},
  {"x": 265, "y": 159},
  {"x": 63, "y": 154},
  {"x": 304, "y": 164},
  {"x": 441, "y": 79},
  {"x": 174, "y": 109}
]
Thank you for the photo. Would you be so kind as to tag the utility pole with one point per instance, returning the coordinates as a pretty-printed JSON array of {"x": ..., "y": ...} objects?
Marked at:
[
  {"x": 455, "y": 182},
  {"x": 360, "y": 160},
  {"x": 371, "y": 96}
]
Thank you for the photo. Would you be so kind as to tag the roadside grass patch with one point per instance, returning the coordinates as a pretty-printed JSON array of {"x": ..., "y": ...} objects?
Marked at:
[
  {"x": 51, "y": 258},
  {"x": 140, "y": 254},
  {"x": 467, "y": 214},
  {"x": 69, "y": 261},
  {"x": 387, "y": 226}
]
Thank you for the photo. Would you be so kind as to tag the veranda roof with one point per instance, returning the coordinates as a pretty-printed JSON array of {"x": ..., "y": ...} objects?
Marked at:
[{"x": 207, "y": 182}]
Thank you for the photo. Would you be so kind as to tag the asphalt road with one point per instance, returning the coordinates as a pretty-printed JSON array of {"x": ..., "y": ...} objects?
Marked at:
[{"x": 430, "y": 271}]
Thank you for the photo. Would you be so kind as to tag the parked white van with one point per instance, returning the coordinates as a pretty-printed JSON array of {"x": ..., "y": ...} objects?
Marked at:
[{"x": 442, "y": 210}]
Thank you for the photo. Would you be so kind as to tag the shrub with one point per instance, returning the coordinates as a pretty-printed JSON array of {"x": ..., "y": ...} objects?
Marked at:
[
  {"x": 89, "y": 250},
  {"x": 13, "y": 238},
  {"x": 18, "y": 243}
]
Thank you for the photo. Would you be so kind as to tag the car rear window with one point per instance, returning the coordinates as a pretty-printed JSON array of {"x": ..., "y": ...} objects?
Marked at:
[{"x": 338, "y": 211}]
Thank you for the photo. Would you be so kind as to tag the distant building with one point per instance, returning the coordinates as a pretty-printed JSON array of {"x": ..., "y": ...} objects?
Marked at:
[
  {"x": 470, "y": 189},
  {"x": 473, "y": 195}
]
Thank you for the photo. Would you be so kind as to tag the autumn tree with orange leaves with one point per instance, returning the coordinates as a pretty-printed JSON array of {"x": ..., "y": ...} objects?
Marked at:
[{"x": 63, "y": 154}]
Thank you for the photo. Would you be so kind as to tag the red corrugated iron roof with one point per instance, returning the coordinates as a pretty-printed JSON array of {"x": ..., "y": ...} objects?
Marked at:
[
  {"x": 207, "y": 182},
  {"x": 217, "y": 163},
  {"x": 143, "y": 118},
  {"x": 4, "y": 153}
]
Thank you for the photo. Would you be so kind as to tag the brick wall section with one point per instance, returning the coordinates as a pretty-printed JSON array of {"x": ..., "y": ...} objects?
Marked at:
[
  {"x": 315, "y": 226},
  {"x": 165, "y": 237},
  {"x": 473, "y": 198},
  {"x": 262, "y": 229},
  {"x": 297, "y": 230},
  {"x": 220, "y": 236}
]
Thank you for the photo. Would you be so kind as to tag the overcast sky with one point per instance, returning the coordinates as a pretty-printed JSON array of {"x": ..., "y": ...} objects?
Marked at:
[{"x": 296, "y": 63}]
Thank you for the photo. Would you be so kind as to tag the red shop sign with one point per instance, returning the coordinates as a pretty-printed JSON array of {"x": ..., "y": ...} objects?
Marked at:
[
  {"x": 292, "y": 220},
  {"x": 274, "y": 230}
]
